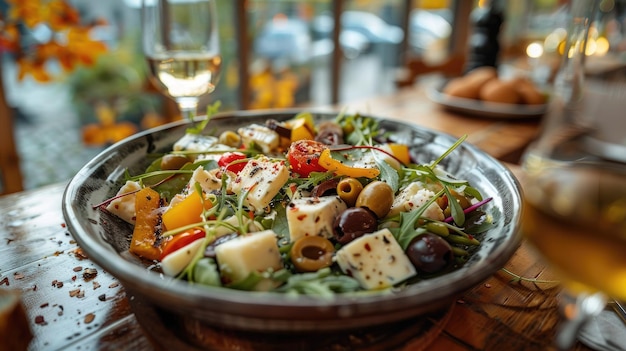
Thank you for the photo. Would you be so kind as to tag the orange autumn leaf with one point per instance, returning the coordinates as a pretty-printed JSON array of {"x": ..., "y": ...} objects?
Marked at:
[
  {"x": 75, "y": 46},
  {"x": 28, "y": 11},
  {"x": 98, "y": 135},
  {"x": 9, "y": 38},
  {"x": 35, "y": 68},
  {"x": 60, "y": 15},
  {"x": 85, "y": 49}
]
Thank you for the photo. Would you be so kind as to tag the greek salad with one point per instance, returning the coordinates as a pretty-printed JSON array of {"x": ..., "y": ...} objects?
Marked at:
[{"x": 300, "y": 207}]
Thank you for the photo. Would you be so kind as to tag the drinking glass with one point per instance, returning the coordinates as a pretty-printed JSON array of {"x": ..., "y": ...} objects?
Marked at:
[
  {"x": 181, "y": 45},
  {"x": 574, "y": 183}
]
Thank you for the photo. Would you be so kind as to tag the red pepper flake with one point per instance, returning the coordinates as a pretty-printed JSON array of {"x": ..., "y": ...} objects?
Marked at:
[
  {"x": 63, "y": 225},
  {"x": 44, "y": 305},
  {"x": 78, "y": 269},
  {"x": 40, "y": 320},
  {"x": 368, "y": 247},
  {"x": 75, "y": 293},
  {"x": 301, "y": 217},
  {"x": 80, "y": 254},
  {"x": 4, "y": 281}
]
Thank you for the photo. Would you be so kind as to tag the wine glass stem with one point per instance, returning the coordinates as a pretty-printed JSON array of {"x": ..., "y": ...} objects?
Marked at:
[{"x": 188, "y": 107}]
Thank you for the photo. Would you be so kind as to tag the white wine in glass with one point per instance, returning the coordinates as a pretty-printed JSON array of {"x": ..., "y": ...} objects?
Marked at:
[
  {"x": 181, "y": 45},
  {"x": 574, "y": 183}
]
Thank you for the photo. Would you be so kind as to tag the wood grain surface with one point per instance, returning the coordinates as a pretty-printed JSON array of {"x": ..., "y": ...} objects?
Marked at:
[{"x": 72, "y": 304}]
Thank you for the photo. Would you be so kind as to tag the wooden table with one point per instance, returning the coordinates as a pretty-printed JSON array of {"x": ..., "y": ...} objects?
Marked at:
[
  {"x": 73, "y": 304},
  {"x": 69, "y": 309}
]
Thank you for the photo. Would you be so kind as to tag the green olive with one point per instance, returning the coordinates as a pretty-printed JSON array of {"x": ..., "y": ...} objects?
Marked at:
[
  {"x": 348, "y": 190},
  {"x": 171, "y": 162},
  {"x": 376, "y": 196},
  {"x": 230, "y": 138},
  {"x": 312, "y": 253}
]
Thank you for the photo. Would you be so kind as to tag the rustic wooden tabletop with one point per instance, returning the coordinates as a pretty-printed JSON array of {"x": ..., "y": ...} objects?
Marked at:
[{"x": 72, "y": 304}]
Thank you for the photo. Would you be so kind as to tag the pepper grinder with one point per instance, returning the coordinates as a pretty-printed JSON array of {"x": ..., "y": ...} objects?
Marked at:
[{"x": 484, "y": 45}]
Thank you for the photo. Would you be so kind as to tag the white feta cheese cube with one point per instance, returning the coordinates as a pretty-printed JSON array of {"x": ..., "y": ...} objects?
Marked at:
[
  {"x": 256, "y": 252},
  {"x": 414, "y": 196},
  {"x": 207, "y": 180},
  {"x": 265, "y": 138},
  {"x": 313, "y": 216},
  {"x": 176, "y": 261},
  {"x": 195, "y": 144},
  {"x": 123, "y": 206},
  {"x": 375, "y": 260},
  {"x": 263, "y": 179}
]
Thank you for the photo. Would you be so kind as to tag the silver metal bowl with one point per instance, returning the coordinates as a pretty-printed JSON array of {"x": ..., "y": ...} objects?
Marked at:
[{"x": 106, "y": 239}]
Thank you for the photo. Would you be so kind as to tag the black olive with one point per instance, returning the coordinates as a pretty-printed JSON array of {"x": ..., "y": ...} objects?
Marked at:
[
  {"x": 325, "y": 188},
  {"x": 430, "y": 253},
  {"x": 353, "y": 223},
  {"x": 329, "y": 133},
  {"x": 210, "y": 249}
]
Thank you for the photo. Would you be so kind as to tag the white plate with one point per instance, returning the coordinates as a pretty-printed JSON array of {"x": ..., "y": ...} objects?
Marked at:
[{"x": 484, "y": 109}]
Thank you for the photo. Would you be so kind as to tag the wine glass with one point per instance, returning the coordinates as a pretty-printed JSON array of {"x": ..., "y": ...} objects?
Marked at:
[
  {"x": 181, "y": 45},
  {"x": 574, "y": 183}
]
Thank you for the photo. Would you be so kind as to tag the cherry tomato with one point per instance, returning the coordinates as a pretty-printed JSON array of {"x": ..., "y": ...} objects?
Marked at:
[
  {"x": 181, "y": 240},
  {"x": 304, "y": 156},
  {"x": 228, "y": 158}
]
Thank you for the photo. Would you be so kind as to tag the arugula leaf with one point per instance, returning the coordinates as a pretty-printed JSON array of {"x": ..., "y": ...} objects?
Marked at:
[
  {"x": 447, "y": 152},
  {"x": 407, "y": 230},
  {"x": 388, "y": 174},
  {"x": 455, "y": 208},
  {"x": 280, "y": 225},
  {"x": 210, "y": 111}
]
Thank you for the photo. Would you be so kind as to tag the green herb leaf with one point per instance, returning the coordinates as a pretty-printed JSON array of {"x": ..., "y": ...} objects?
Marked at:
[
  {"x": 407, "y": 230},
  {"x": 205, "y": 272},
  {"x": 388, "y": 174},
  {"x": 210, "y": 111}
]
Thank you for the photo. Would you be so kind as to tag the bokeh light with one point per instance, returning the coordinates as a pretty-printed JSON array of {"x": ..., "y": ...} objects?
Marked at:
[{"x": 534, "y": 50}]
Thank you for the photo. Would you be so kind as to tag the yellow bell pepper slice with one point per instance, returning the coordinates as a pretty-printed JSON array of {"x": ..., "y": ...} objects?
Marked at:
[
  {"x": 301, "y": 127},
  {"x": 144, "y": 240},
  {"x": 186, "y": 212},
  {"x": 401, "y": 152},
  {"x": 340, "y": 168}
]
